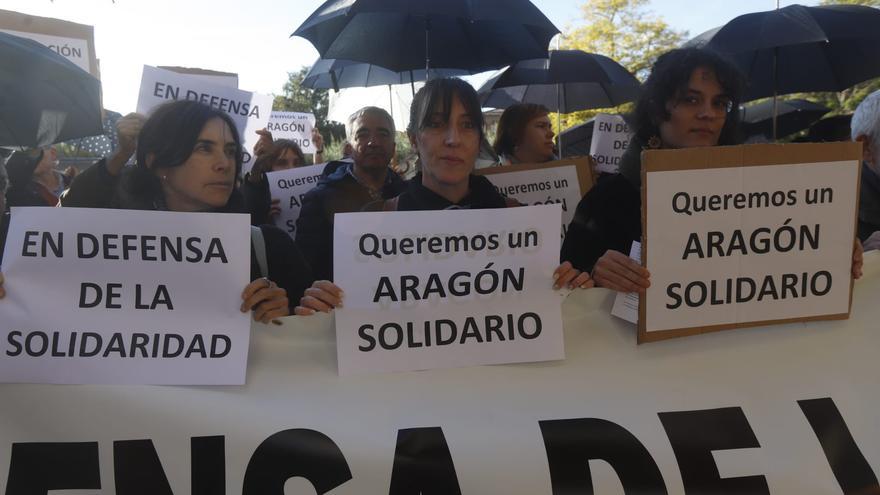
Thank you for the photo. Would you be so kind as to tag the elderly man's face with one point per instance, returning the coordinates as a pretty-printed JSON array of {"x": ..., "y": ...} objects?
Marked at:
[
  {"x": 373, "y": 142},
  {"x": 870, "y": 152}
]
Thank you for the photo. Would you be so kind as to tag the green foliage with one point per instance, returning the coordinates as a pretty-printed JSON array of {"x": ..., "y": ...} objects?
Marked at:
[
  {"x": 298, "y": 98},
  {"x": 625, "y": 31}
]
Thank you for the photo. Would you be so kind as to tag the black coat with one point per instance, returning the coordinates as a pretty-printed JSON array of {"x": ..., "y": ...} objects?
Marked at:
[{"x": 337, "y": 192}]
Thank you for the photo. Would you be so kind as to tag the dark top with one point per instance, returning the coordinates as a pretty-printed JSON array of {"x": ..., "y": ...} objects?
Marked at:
[
  {"x": 416, "y": 197},
  {"x": 94, "y": 187},
  {"x": 869, "y": 203},
  {"x": 338, "y": 192},
  {"x": 257, "y": 199},
  {"x": 609, "y": 216},
  {"x": 4, "y": 228}
]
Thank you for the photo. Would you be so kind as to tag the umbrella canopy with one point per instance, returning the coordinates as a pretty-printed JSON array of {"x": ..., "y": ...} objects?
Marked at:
[
  {"x": 336, "y": 74},
  {"x": 800, "y": 49},
  {"x": 567, "y": 81},
  {"x": 44, "y": 98},
  {"x": 475, "y": 35},
  {"x": 793, "y": 116}
]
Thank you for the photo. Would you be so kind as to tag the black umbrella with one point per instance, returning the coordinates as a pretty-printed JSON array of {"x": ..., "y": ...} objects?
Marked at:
[
  {"x": 44, "y": 98},
  {"x": 800, "y": 49},
  {"x": 336, "y": 74},
  {"x": 567, "y": 81},
  {"x": 475, "y": 35},
  {"x": 792, "y": 116}
]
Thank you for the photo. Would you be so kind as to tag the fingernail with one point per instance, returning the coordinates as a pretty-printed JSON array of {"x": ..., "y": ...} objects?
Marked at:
[
  {"x": 555, "y": 286},
  {"x": 555, "y": 275}
]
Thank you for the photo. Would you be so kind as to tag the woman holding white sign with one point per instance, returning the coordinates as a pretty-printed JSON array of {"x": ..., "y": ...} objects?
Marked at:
[
  {"x": 446, "y": 126},
  {"x": 272, "y": 156}
]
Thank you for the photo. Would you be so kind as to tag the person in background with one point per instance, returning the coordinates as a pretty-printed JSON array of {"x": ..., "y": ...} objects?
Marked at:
[
  {"x": 525, "y": 135},
  {"x": 865, "y": 128},
  {"x": 34, "y": 179},
  {"x": 280, "y": 154},
  {"x": 446, "y": 126},
  {"x": 348, "y": 186}
]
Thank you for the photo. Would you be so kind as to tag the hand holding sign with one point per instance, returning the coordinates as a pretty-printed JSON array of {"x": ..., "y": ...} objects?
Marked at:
[
  {"x": 619, "y": 272},
  {"x": 265, "y": 141},
  {"x": 265, "y": 299}
]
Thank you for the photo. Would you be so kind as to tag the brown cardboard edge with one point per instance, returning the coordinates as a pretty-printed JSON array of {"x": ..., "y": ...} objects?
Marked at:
[
  {"x": 582, "y": 164},
  {"x": 733, "y": 156},
  {"x": 658, "y": 335}
]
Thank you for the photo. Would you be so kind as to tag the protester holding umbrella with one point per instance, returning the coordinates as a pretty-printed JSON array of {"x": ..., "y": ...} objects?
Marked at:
[
  {"x": 689, "y": 100},
  {"x": 525, "y": 135},
  {"x": 446, "y": 126}
]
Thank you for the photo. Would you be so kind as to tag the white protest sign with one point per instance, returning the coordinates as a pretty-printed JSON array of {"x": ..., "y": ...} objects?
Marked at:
[
  {"x": 250, "y": 111},
  {"x": 296, "y": 126},
  {"x": 432, "y": 289},
  {"x": 562, "y": 182},
  {"x": 120, "y": 296},
  {"x": 611, "y": 135},
  {"x": 73, "y": 49},
  {"x": 735, "y": 245},
  {"x": 289, "y": 187},
  {"x": 787, "y": 410}
]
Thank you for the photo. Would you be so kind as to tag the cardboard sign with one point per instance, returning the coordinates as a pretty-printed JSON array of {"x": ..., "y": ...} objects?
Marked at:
[
  {"x": 747, "y": 235},
  {"x": 249, "y": 111},
  {"x": 120, "y": 296},
  {"x": 435, "y": 289},
  {"x": 790, "y": 410},
  {"x": 75, "y": 42},
  {"x": 227, "y": 79},
  {"x": 296, "y": 126},
  {"x": 611, "y": 135},
  {"x": 289, "y": 187},
  {"x": 562, "y": 182}
]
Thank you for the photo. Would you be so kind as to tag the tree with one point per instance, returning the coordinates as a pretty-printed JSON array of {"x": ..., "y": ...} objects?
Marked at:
[
  {"x": 298, "y": 98},
  {"x": 625, "y": 31}
]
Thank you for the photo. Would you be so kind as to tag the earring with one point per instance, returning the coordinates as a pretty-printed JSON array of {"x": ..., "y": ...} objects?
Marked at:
[{"x": 654, "y": 142}]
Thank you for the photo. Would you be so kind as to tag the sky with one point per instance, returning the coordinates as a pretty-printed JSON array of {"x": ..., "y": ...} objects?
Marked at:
[{"x": 252, "y": 38}]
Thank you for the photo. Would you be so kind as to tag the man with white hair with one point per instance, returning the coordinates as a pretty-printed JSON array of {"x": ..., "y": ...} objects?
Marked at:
[
  {"x": 348, "y": 187},
  {"x": 866, "y": 129}
]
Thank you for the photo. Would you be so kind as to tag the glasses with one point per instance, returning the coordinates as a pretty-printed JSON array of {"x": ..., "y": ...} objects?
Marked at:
[{"x": 719, "y": 104}]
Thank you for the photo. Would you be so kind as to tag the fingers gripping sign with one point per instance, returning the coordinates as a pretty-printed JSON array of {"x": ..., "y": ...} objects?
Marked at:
[{"x": 265, "y": 299}]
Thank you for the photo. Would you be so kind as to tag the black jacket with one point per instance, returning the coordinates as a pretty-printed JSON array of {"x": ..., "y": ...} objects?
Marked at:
[
  {"x": 609, "y": 216},
  {"x": 416, "y": 197},
  {"x": 257, "y": 199},
  {"x": 338, "y": 192}
]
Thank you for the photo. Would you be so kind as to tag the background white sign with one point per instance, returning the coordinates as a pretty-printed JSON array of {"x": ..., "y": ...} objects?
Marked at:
[
  {"x": 404, "y": 331},
  {"x": 167, "y": 322},
  {"x": 289, "y": 187},
  {"x": 296, "y": 126},
  {"x": 551, "y": 185},
  {"x": 249, "y": 111},
  {"x": 669, "y": 235},
  {"x": 492, "y": 417},
  {"x": 74, "y": 49},
  {"x": 611, "y": 136}
]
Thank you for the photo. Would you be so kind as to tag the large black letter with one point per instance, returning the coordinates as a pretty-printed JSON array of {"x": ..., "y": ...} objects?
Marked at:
[
  {"x": 138, "y": 470},
  {"x": 36, "y": 468},
  {"x": 571, "y": 443},
  {"x": 853, "y": 473},
  {"x": 208, "y": 465},
  {"x": 695, "y": 434},
  {"x": 423, "y": 464},
  {"x": 291, "y": 453}
]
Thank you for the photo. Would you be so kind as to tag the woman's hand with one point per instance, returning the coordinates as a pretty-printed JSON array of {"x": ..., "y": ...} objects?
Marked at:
[
  {"x": 265, "y": 299},
  {"x": 616, "y": 271},
  {"x": 566, "y": 275},
  {"x": 858, "y": 259},
  {"x": 264, "y": 143},
  {"x": 322, "y": 296},
  {"x": 2, "y": 290}
]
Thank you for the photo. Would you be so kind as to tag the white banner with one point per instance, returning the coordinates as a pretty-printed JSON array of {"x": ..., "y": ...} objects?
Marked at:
[
  {"x": 735, "y": 245},
  {"x": 296, "y": 126},
  {"x": 611, "y": 135},
  {"x": 289, "y": 187},
  {"x": 249, "y": 111},
  {"x": 433, "y": 289},
  {"x": 119, "y": 296},
  {"x": 787, "y": 410}
]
